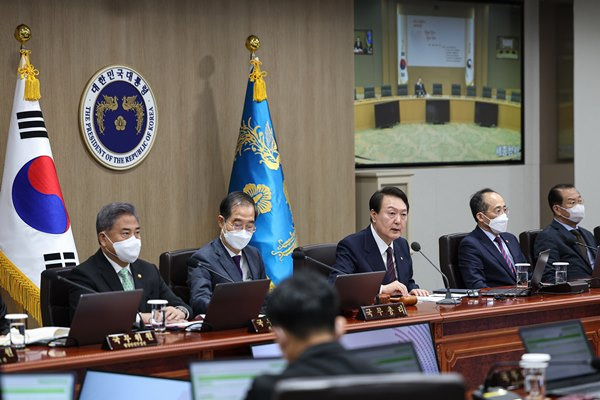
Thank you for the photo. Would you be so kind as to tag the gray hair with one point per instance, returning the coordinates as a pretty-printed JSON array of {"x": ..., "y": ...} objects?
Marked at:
[{"x": 109, "y": 213}]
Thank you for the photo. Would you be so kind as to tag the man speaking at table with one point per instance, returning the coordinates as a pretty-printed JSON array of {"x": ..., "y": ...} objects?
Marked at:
[
  {"x": 116, "y": 265},
  {"x": 380, "y": 246}
]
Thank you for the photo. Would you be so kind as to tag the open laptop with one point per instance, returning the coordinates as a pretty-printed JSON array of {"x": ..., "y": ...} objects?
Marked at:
[
  {"x": 101, "y": 314},
  {"x": 37, "y": 386},
  {"x": 101, "y": 385},
  {"x": 356, "y": 290},
  {"x": 534, "y": 285},
  {"x": 234, "y": 304},
  {"x": 397, "y": 357},
  {"x": 229, "y": 379},
  {"x": 570, "y": 351}
]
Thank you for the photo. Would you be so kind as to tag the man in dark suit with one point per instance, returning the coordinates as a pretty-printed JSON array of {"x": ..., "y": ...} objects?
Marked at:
[
  {"x": 116, "y": 265},
  {"x": 564, "y": 237},
  {"x": 380, "y": 246},
  {"x": 420, "y": 90},
  {"x": 229, "y": 256},
  {"x": 304, "y": 313},
  {"x": 487, "y": 256}
]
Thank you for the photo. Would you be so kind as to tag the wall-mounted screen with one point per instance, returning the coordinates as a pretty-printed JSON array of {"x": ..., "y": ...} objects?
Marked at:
[{"x": 468, "y": 54}]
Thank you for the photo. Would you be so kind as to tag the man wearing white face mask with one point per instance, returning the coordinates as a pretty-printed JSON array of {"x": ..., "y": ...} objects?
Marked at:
[
  {"x": 564, "y": 237},
  {"x": 228, "y": 256},
  {"x": 487, "y": 256},
  {"x": 116, "y": 265}
]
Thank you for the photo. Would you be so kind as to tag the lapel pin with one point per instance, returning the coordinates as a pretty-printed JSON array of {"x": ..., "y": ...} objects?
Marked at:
[
  {"x": 140, "y": 276},
  {"x": 401, "y": 258}
]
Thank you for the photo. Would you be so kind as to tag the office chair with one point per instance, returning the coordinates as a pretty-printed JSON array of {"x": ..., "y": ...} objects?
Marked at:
[
  {"x": 501, "y": 94},
  {"x": 526, "y": 241},
  {"x": 437, "y": 89},
  {"x": 448, "y": 247},
  {"x": 515, "y": 97},
  {"x": 403, "y": 90},
  {"x": 324, "y": 252},
  {"x": 173, "y": 269},
  {"x": 597, "y": 234},
  {"x": 487, "y": 92},
  {"x": 386, "y": 90},
  {"x": 54, "y": 297},
  {"x": 369, "y": 92},
  {"x": 471, "y": 91},
  {"x": 384, "y": 386},
  {"x": 456, "y": 89}
]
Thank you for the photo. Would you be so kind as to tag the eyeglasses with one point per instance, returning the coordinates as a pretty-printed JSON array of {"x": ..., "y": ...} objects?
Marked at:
[
  {"x": 499, "y": 211},
  {"x": 237, "y": 227}
]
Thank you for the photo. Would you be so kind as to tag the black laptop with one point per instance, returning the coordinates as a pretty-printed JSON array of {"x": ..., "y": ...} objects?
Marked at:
[
  {"x": 234, "y": 304},
  {"x": 101, "y": 314},
  {"x": 534, "y": 285},
  {"x": 356, "y": 290},
  {"x": 396, "y": 357},
  {"x": 570, "y": 351}
]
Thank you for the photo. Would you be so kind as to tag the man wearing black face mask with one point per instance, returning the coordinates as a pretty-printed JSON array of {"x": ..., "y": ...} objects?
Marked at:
[
  {"x": 229, "y": 254},
  {"x": 487, "y": 256},
  {"x": 116, "y": 265},
  {"x": 564, "y": 237}
]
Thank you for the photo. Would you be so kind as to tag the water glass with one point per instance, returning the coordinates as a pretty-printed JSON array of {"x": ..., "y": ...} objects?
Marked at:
[
  {"x": 560, "y": 272},
  {"x": 158, "y": 315},
  {"x": 18, "y": 325},
  {"x": 534, "y": 373},
  {"x": 522, "y": 274}
]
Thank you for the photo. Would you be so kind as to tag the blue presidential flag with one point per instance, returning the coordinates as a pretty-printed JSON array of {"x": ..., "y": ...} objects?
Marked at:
[{"x": 257, "y": 171}]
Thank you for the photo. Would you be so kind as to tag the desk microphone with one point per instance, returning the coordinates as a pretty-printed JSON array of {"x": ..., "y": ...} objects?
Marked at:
[
  {"x": 572, "y": 241},
  {"x": 448, "y": 300},
  {"x": 56, "y": 276},
  {"x": 196, "y": 264},
  {"x": 299, "y": 254}
]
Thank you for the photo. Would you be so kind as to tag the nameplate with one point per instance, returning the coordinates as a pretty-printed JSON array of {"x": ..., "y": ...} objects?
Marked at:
[
  {"x": 382, "y": 311},
  {"x": 260, "y": 325},
  {"x": 121, "y": 341},
  {"x": 8, "y": 355}
]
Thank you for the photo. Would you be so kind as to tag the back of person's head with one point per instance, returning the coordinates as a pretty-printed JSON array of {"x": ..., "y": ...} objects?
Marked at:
[
  {"x": 477, "y": 202},
  {"x": 555, "y": 196},
  {"x": 110, "y": 213},
  {"x": 235, "y": 199},
  {"x": 377, "y": 197},
  {"x": 303, "y": 305}
]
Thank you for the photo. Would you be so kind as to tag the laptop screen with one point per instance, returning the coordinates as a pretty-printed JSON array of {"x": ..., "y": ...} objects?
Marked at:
[
  {"x": 564, "y": 341},
  {"x": 229, "y": 379},
  {"x": 99, "y": 385},
  {"x": 418, "y": 334},
  {"x": 397, "y": 357},
  {"x": 49, "y": 386}
]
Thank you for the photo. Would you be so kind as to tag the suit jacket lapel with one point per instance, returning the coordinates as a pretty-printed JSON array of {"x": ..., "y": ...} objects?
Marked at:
[
  {"x": 512, "y": 247},
  {"x": 138, "y": 278},
  {"x": 493, "y": 250},
  {"x": 108, "y": 272},
  {"x": 226, "y": 261},
  {"x": 374, "y": 258},
  {"x": 568, "y": 237}
]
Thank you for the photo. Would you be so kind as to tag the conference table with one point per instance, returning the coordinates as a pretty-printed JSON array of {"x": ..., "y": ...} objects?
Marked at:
[{"x": 468, "y": 338}]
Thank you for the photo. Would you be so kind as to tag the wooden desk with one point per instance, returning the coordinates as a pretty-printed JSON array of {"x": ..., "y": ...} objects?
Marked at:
[{"x": 468, "y": 338}]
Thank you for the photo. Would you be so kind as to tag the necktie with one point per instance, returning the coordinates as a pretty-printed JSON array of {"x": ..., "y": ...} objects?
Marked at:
[
  {"x": 126, "y": 280},
  {"x": 390, "y": 275},
  {"x": 498, "y": 240},
  {"x": 580, "y": 247},
  {"x": 237, "y": 260}
]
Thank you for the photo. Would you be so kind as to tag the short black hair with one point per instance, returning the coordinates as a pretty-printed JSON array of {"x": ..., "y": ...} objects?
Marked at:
[
  {"x": 234, "y": 199},
  {"x": 477, "y": 203},
  {"x": 303, "y": 304},
  {"x": 377, "y": 198},
  {"x": 555, "y": 196},
  {"x": 109, "y": 213}
]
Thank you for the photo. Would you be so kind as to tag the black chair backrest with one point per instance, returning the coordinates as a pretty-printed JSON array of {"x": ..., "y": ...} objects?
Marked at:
[
  {"x": 456, "y": 89},
  {"x": 54, "y": 297},
  {"x": 515, "y": 97},
  {"x": 403, "y": 90},
  {"x": 173, "y": 269},
  {"x": 448, "y": 247},
  {"x": 487, "y": 92},
  {"x": 471, "y": 91},
  {"x": 369, "y": 92},
  {"x": 386, "y": 90},
  {"x": 437, "y": 89},
  {"x": 324, "y": 252},
  {"x": 501, "y": 94},
  {"x": 597, "y": 235},
  {"x": 526, "y": 241}
]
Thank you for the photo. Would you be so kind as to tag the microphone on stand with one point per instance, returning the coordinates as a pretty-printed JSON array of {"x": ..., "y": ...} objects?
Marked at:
[
  {"x": 448, "y": 300},
  {"x": 299, "y": 254},
  {"x": 55, "y": 275},
  {"x": 196, "y": 264}
]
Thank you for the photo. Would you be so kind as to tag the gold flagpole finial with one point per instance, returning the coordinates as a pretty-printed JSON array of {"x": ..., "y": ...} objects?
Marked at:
[
  {"x": 22, "y": 34},
  {"x": 252, "y": 44}
]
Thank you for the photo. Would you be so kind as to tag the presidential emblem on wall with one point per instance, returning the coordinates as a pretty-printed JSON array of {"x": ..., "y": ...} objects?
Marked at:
[{"x": 118, "y": 117}]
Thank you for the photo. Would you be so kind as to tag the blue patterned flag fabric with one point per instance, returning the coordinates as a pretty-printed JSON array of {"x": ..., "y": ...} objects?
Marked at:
[{"x": 257, "y": 171}]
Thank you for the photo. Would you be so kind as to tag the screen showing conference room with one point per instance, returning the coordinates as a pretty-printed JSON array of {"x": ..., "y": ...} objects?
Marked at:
[{"x": 468, "y": 56}]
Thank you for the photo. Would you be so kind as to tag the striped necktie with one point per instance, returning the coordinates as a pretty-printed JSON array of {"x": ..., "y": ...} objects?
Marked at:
[
  {"x": 498, "y": 241},
  {"x": 390, "y": 275}
]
